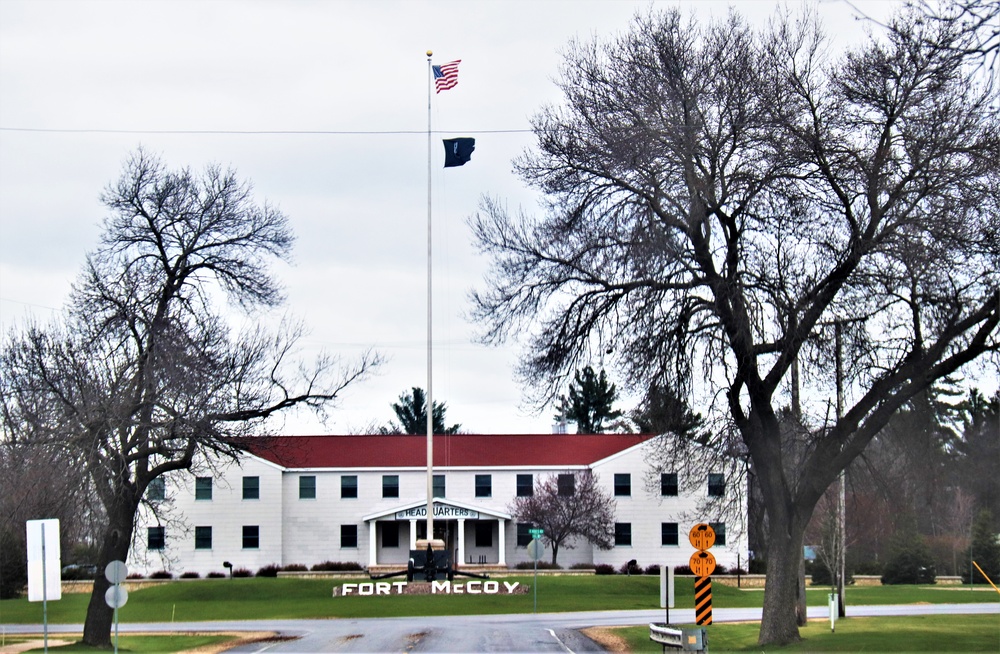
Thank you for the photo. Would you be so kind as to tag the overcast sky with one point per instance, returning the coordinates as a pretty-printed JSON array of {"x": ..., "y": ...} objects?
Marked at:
[{"x": 206, "y": 81}]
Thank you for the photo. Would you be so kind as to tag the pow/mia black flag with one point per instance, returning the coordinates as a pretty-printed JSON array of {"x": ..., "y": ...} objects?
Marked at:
[{"x": 458, "y": 151}]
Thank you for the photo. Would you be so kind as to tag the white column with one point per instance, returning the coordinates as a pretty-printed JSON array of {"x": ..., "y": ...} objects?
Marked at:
[
  {"x": 372, "y": 543},
  {"x": 503, "y": 541},
  {"x": 461, "y": 542},
  {"x": 413, "y": 534}
]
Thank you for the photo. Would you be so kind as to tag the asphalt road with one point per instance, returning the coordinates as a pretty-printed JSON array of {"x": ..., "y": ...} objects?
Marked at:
[{"x": 542, "y": 632}]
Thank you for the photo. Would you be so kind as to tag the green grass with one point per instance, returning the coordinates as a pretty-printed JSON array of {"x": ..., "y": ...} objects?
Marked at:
[
  {"x": 262, "y": 598},
  {"x": 143, "y": 644},
  {"x": 929, "y": 633}
]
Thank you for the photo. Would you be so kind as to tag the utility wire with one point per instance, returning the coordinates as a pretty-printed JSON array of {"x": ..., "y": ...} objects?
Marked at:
[{"x": 254, "y": 132}]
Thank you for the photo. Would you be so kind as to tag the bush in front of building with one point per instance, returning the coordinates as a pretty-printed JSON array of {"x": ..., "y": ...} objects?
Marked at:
[
  {"x": 190, "y": 575},
  {"x": 161, "y": 574},
  {"x": 215, "y": 575},
  {"x": 242, "y": 572},
  {"x": 630, "y": 568},
  {"x": 294, "y": 567},
  {"x": 542, "y": 565},
  {"x": 337, "y": 566},
  {"x": 653, "y": 569},
  {"x": 270, "y": 570},
  {"x": 604, "y": 569}
]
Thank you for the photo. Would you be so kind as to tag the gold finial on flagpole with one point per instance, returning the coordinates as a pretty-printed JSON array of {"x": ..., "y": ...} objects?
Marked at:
[{"x": 430, "y": 53}]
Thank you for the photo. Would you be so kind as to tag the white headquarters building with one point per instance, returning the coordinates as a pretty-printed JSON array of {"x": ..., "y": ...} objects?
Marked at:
[{"x": 310, "y": 499}]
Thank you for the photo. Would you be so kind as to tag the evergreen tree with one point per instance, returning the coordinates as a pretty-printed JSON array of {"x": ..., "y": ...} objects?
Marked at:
[
  {"x": 590, "y": 402},
  {"x": 663, "y": 411},
  {"x": 411, "y": 410},
  {"x": 984, "y": 550}
]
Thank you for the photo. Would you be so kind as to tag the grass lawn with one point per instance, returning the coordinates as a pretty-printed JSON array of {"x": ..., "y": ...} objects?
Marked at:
[
  {"x": 930, "y": 633},
  {"x": 268, "y": 598},
  {"x": 172, "y": 643}
]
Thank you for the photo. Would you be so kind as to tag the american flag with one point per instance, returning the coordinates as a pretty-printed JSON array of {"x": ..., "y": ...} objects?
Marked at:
[{"x": 446, "y": 75}]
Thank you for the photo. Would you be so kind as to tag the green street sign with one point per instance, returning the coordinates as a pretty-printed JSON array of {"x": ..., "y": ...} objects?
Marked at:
[{"x": 535, "y": 533}]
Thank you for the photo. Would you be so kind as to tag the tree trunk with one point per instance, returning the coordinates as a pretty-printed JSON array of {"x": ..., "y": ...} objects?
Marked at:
[
  {"x": 779, "y": 622},
  {"x": 117, "y": 539}
]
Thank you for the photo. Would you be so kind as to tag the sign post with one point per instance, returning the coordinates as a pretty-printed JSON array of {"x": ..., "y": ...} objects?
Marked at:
[
  {"x": 44, "y": 567},
  {"x": 702, "y": 564},
  {"x": 667, "y": 590},
  {"x": 116, "y": 595},
  {"x": 535, "y": 550}
]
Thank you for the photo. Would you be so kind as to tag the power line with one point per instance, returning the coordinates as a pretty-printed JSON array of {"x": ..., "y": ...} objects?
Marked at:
[{"x": 255, "y": 132}]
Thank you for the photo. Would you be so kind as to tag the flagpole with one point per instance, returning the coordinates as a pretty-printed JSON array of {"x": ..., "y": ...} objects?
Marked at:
[{"x": 429, "y": 407}]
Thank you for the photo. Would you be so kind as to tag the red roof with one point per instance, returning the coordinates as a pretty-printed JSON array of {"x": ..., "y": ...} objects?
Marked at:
[{"x": 474, "y": 450}]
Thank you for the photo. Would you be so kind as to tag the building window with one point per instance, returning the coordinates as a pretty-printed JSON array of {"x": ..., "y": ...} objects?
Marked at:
[
  {"x": 668, "y": 533},
  {"x": 623, "y": 484},
  {"x": 623, "y": 533},
  {"x": 156, "y": 490},
  {"x": 390, "y": 534},
  {"x": 251, "y": 537},
  {"x": 307, "y": 487},
  {"x": 567, "y": 484},
  {"x": 484, "y": 485},
  {"x": 716, "y": 484},
  {"x": 203, "y": 488},
  {"x": 349, "y": 486},
  {"x": 668, "y": 484},
  {"x": 156, "y": 538},
  {"x": 348, "y": 536},
  {"x": 484, "y": 534},
  {"x": 251, "y": 488},
  {"x": 390, "y": 485},
  {"x": 523, "y": 535},
  {"x": 525, "y": 486},
  {"x": 203, "y": 538},
  {"x": 437, "y": 486},
  {"x": 720, "y": 532}
]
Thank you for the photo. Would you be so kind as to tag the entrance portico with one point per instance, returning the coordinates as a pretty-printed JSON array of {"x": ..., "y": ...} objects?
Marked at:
[{"x": 467, "y": 530}]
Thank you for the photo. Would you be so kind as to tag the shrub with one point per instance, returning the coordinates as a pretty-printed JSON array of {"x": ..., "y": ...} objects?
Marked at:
[
  {"x": 337, "y": 566},
  {"x": 242, "y": 572},
  {"x": 604, "y": 569},
  {"x": 721, "y": 570},
  {"x": 682, "y": 570},
  {"x": 134, "y": 575},
  {"x": 653, "y": 569},
  {"x": 216, "y": 575},
  {"x": 270, "y": 570},
  {"x": 542, "y": 565},
  {"x": 161, "y": 574},
  {"x": 190, "y": 575},
  {"x": 582, "y": 566},
  {"x": 294, "y": 567},
  {"x": 869, "y": 568},
  {"x": 13, "y": 563},
  {"x": 909, "y": 560},
  {"x": 630, "y": 568},
  {"x": 758, "y": 566}
]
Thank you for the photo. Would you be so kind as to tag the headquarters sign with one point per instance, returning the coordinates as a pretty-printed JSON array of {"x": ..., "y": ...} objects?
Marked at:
[{"x": 440, "y": 511}]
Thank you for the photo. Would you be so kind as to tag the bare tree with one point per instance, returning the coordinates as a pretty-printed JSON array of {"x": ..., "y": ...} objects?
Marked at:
[
  {"x": 569, "y": 506},
  {"x": 144, "y": 375},
  {"x": 722, "y": 203}
]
